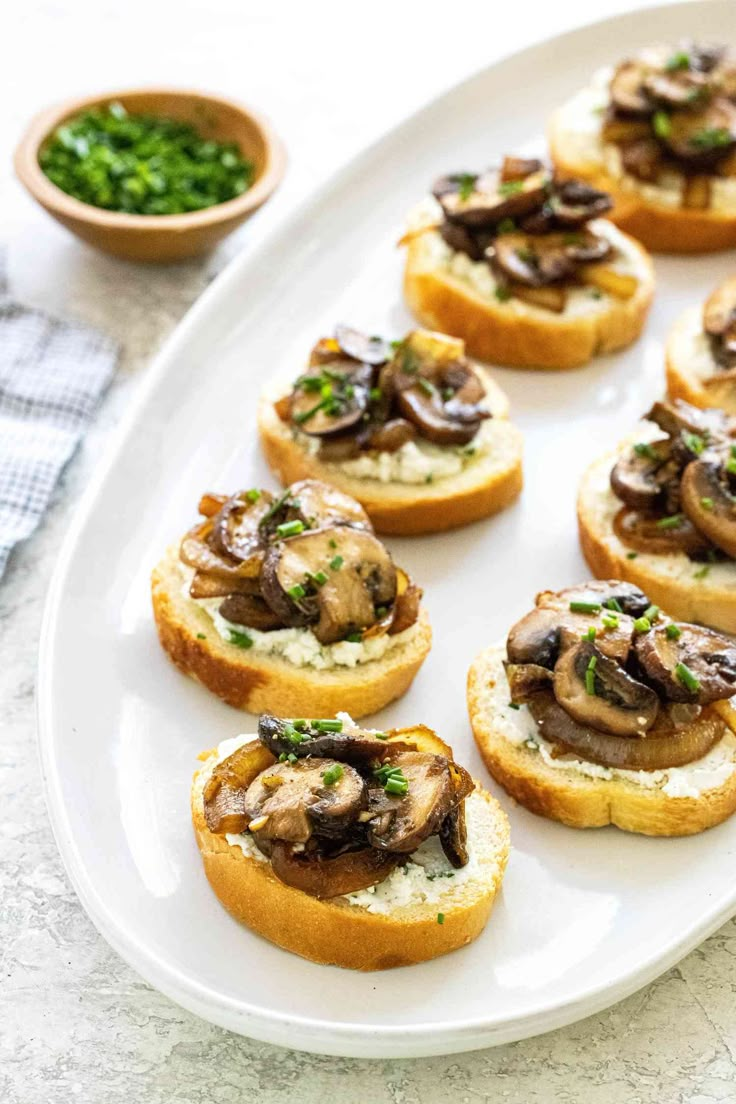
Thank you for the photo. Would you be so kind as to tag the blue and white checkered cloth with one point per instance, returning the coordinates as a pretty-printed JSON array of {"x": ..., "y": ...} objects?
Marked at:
[{"x": 52, "y": 375}]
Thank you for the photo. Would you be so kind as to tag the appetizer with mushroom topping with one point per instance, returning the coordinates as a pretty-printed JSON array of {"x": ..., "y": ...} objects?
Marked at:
[
  {"x": 659, "y": 133},
  {"x": 523, "y": 266},
  {"x": 662, "y": 512},
  {"x": 600, "y": 709},
  {"x": 348, "y": 846},
  {"x": 290, "y": 599},
  {"x": 412, "y": 429},
  {"x": 701, "y": 352}
]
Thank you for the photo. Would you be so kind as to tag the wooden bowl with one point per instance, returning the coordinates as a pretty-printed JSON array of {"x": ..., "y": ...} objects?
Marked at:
[{"x": 158, "y": 237}]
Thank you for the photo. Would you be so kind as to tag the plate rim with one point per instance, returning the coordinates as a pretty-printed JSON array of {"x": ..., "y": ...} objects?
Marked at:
[{"x": 237, "y": 1014}]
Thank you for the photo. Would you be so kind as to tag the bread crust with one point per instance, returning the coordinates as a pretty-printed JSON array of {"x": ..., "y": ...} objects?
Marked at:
[
  {"x": 480, "y": 490},
  {"x": 581, "y": 802},
  {"x": 685, "y": 597},
  {"x": 682, "y": 381},
  {"x": 525, "y": 336},
  {"x": 660, "y": 228},
  {"x": 334, "y": 932},
  {"x": 261, "y": 683}
]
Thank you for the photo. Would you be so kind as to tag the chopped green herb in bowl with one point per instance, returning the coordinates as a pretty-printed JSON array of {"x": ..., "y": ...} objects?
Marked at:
[{"x": 142, "y": 164}]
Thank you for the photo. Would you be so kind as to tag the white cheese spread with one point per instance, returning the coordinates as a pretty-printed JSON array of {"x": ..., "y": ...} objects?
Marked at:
[{"x": 298, "y": 646}]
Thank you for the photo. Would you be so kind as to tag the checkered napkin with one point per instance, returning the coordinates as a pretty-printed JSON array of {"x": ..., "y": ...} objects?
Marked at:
[{"x": 52, "y": 375}]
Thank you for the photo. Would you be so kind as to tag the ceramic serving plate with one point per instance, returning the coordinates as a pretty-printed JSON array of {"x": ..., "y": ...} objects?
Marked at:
[{"x": 585, "y": 917}]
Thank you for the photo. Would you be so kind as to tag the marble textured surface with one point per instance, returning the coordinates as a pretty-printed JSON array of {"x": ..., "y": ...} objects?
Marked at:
[{"x": 75, "y": 1023}]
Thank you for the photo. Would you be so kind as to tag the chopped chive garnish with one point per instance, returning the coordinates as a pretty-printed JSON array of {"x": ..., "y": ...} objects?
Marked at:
[
  {"x": 631, "y": 555},
  {"x": 687, "y": 678},
  {"x": 327, "y": 726},
  {"x": 305, "y": 415},
  {"x": 589, "y": 635},
  {"x": 309, "y": 383},
  {"x": 506, "y": 226},
  {"x": 652, "y": 613},
  {"x": 291, "y": 734},
  {"x": 239, "y": 639},
  {"x": 642, "y": 625},
  {"x": 613, "y": 604},
  {"x": 332, "y": 543},
  {"x": 354, "y": 638},
  {"x": 673, "y": 632},
  {"x": 610, "y": 620},
  {"x": 731, "y": 465},
  {"x": 253, "y": 495},
  {"x": 336, "y": 563},
  {"x": 426, "y": 385},
  {"x": 297, "y": 591},
  {"x": 711, "y": 138},
  {"x": 590, "y": 676},
  {"x": 290, "y": 528},
  {"x": 502, "y": 293},
  {"x": 679, "y": 60},
  {"x": 440, "y": 917},
  {"x": 662, "y": 124},
  {"x": 585, "y": 607},
  {"x": 701, "y": 572},
  {"x": 392, "y": 779},
  {"x": 375, "y": 394},
  {"x": 381, "y": 735},
  {"x": 670, "y": 522},
  {"x": 332, "y": 775},
  {"x": 201, "y": 636},
  {"x": 318, "y": 578},
  {"x": 694, "y": 442},
  {"x": 510, "y": 187},
  {"x": 300, "y": 724},
  {"x": 514, "y": 705},
  {"x": 643, "y": 448},
  {"x": 465, "y": 185}
]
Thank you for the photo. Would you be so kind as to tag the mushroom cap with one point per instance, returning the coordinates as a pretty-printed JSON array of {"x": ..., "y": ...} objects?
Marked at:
[
  {"x": 355, "y": 746},
  {"x": 645, "y": 533},
  {"x": 710, "y": 657},
  {"x": 402, "y": 823},
  {"x": 490, "y": 199},
  {"x": 361, "y": 347},
  {"x": 347, "y": 599},
  {"x": 296, "y": 802},
  {"x": 719, "y": 309},
  {"x": 708, "y": 502},
  {"x": 619, "y": 704},
  {"x": 326, "y": 876}
]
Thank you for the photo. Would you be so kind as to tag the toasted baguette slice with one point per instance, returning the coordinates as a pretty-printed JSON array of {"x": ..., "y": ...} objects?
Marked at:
[
  {"x": 339, "y": 933},
  {"x": 263, "y": 683},
  {"x": 550, "y": 788},
  {"x": 517, "y": 333},
  {"x": 660, "y": 224},
  {"x": 688, "y": 591},
  {"x": 484, "y": 486},
  {"x": 689, "y": 363}
]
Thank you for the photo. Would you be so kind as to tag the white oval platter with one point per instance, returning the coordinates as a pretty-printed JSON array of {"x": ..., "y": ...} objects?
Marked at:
[{"x": 585, "y": 918}]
